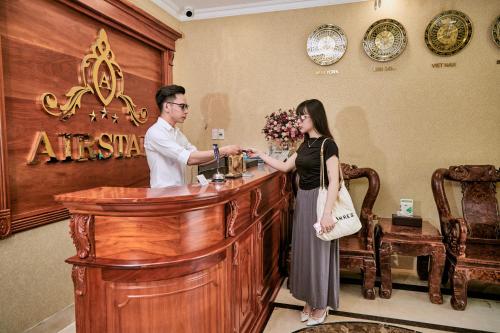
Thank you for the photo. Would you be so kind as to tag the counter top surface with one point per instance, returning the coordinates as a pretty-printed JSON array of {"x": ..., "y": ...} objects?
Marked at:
[{"x": 173, "y": 193}]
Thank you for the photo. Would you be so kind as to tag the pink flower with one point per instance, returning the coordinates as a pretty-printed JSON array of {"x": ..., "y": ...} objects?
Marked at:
[{"x": 281, "y": 127}]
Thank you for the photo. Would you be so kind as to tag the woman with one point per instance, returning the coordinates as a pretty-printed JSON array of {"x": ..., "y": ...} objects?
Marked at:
[{"x": 314, "y": 276}]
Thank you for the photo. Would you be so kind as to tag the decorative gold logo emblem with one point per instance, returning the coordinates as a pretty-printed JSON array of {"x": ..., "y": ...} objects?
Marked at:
[{"x": 101, "y": 76}]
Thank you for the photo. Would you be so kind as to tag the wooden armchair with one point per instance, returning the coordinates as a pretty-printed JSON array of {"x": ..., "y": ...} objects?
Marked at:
[
  {"x": 358, "y": 251},
  {"x": 472, "y": 242}
]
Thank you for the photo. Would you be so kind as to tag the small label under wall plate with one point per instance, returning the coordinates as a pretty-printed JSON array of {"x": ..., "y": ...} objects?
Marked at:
[
  {"x": 327, "y": 72},
  {"x": 383, "y": 68},
  {"x": 444, "y": 64}
]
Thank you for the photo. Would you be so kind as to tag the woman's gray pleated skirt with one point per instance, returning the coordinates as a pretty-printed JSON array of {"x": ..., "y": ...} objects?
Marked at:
[{"x": 314, "y": 276}]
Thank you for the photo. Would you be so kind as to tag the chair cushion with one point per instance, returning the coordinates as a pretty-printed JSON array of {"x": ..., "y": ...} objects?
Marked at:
[
  {"x": 353, "y": 244},
  {"x": 482, "y": 252}
]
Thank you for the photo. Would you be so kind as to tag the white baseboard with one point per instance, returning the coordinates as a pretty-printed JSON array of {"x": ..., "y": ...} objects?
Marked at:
[{"x": 69, "y": 329}]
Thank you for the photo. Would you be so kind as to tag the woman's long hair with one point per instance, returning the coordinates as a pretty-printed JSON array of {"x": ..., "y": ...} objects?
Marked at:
[{"x": 316, "y": 111}]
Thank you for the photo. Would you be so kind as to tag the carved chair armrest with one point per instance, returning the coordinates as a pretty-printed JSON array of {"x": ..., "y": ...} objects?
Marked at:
[
  {"x": 442, "y": 205},
  {"x": 353, "y": 172},
  {"x": 455, "y": 235}
]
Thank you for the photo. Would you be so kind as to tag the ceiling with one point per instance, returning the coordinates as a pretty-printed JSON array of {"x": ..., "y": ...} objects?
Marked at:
[{"x": 206, "y": 9}]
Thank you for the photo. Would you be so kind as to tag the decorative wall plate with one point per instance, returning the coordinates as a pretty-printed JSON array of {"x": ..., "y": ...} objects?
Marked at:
[
  {"x": 326, "y": 45},
  {"x": 385, "y": 40},
  {"x": 495, "y": 31},
  {"x": 448, "y": 33}
]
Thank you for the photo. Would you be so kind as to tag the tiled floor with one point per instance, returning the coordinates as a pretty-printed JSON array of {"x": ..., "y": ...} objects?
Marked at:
[
  {"x": 409, "y": 309},
  {"x": 404, "y": 306}
]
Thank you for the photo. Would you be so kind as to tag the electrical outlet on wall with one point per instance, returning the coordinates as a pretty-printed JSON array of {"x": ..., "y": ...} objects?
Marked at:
[
  {"x": 221, "y": 134},
  {"x": 215, "y": 133}
]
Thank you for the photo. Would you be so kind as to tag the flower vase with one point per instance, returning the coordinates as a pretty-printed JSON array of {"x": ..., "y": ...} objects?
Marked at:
[{"x": 274, "y": 149}]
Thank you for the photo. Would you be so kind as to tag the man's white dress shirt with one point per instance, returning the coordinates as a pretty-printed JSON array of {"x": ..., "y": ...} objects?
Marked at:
[{"x": 167, "y": 152}]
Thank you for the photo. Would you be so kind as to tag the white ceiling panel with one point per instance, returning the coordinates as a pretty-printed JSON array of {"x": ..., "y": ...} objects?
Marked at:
[{"x": 206, "y": 9}]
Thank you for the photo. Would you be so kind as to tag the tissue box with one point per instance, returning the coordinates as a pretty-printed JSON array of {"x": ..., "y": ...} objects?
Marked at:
[
  {"x": 407, "y": 221},
  {"x": 406, "y": 207}
]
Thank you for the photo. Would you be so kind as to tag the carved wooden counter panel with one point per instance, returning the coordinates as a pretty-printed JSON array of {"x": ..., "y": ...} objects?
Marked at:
[{"x": 179, "y": 259}]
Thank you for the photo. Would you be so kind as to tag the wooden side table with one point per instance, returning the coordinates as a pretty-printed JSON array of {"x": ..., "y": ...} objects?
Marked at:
[{"x": 411, "y": 241}]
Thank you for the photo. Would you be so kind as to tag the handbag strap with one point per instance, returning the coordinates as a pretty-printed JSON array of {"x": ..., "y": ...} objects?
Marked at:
[{"x": 322, "y": 168}]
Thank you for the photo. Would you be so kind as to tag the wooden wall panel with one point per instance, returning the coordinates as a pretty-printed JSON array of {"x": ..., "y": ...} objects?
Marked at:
[
  {"x": 57, "y": 72},
  {"x": 55, "y": 26},
  {"x": 43, "y": 44}
]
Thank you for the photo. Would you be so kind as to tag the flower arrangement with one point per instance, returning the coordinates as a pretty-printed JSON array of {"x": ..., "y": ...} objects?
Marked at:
[{"x": 282, "y": 128}]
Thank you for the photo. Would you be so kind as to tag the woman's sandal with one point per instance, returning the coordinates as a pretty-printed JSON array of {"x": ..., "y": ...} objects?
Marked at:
[
  {"x": 304, "y": 315},
  {"x": 316, "y": 321}
]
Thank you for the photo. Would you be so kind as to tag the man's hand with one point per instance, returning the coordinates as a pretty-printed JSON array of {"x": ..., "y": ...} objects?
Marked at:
[{"x": 230, "y": 150}]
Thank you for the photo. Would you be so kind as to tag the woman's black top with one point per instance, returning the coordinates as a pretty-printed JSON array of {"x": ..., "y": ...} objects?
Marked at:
[{"x": 308, "y": 161}]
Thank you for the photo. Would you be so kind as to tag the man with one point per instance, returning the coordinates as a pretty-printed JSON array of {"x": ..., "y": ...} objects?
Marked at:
[{"x": 168, "y": 151}]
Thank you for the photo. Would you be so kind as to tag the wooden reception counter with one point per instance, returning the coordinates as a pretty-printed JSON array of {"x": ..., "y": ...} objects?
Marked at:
[{"x": 180, "y": 259}]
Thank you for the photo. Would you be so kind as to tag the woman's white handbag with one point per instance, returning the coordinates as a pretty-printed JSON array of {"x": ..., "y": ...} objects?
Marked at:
[{"x": 343, "y": 213}]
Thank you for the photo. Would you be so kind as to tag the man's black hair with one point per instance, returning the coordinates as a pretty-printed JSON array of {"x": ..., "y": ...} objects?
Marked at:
[{"x": 167, "y": 93}]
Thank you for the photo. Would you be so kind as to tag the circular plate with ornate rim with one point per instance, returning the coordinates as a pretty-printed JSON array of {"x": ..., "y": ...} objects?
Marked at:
[
  {"x": 495, "y": 31},
  {"x": 385, "y": 40},
  {"x": 326, "y": 45},
  {"x": 448, "y": 33}
]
